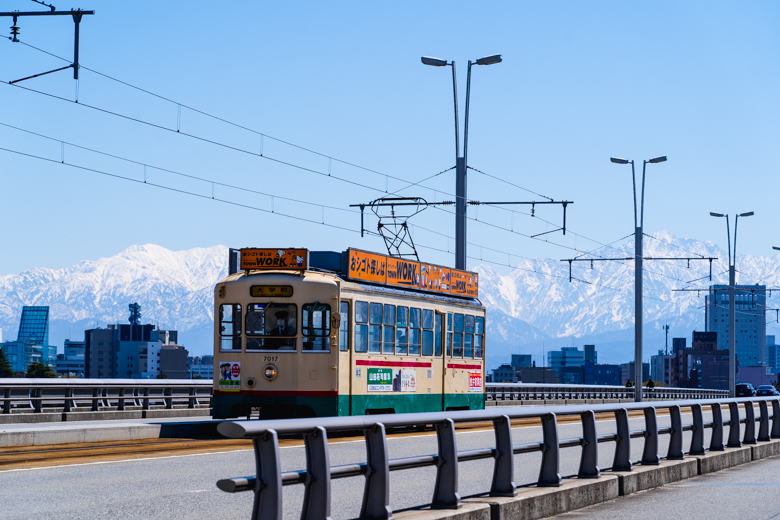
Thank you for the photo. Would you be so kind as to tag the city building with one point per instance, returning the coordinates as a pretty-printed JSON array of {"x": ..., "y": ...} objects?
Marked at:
[
  {"x": 566, "y": 357},
  {"x": 71, "y": 362},
  {"x": 750, "y": 330},
  {"x": 173, "y": 362},
  {"x": 661, "y": 367},
  {"x": 201, "y": 367},
  {"x": 772, "y": 355},
  {"x": 607, "y": 375},
  {"x": 32, "y": 341},
  {"x": 503, "y": 374},
  {"x": 537, "y": 375},
  {"x": 591, "y": 359},
  {"x": 627, "y": 372},
  {"x": 522, "y": 360},
  {"x": 702, "y": 365}
]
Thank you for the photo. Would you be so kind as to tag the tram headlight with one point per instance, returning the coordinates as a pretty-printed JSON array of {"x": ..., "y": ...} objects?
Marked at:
[{"x": 270, "y": 372}]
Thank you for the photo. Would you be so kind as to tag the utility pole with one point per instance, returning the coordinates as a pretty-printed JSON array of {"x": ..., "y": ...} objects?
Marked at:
[
  {"x": 75, "y": 13},
  {"x": 461, "y": 160},
  {"x": 732, "y": 298}
]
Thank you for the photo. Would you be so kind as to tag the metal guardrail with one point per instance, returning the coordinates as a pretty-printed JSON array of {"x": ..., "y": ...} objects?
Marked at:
[
  {"x": 539, "y": 391},
  {"x": 267, "y": 484},
  {"x": 35, "y": 395}
]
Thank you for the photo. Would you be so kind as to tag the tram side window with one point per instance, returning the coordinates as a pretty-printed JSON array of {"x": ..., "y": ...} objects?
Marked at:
[
  {"x": 414, "y": 332},
  {"x": 361, "y": 326},
  {"x": 427, "y": 333},
  {"x": 449, "y": 334},
  {"x": 230, "y": 326},
  {"x": 401, "y": 334},
  {"x": 375, "y": 329},
  {"x": 388, "y": 333},
  {"x": 344, "y": 327},
  {"x": 276, "y": 322},
  {"x": 315, "y": 325},
  {"x": 457, "y": 338},
  {"x": 437, "y": 335},
  {"x": 468, "y": 338},
  {"x": 479, "y": 338}
]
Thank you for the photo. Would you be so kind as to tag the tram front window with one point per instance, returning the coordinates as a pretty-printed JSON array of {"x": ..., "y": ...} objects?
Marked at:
[
  {"x": 230, "y": 327},
  {"x": 275, "y": 322},
  {"x": 315, "y": 324}
]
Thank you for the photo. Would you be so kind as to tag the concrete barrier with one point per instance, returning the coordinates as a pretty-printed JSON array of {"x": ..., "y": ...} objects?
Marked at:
[
  {"x": 714, "y": 461},
  {"x": 469, "y": 511},
  {"x": 642, "y": 478},
  {"x": 540, "y": 502}
]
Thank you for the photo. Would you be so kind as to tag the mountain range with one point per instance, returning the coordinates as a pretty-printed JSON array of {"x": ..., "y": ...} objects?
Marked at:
[{"x": 532, "y": 309}]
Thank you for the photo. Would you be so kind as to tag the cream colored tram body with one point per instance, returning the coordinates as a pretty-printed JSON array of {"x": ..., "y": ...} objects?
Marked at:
[{"x": 321, "y": 341}]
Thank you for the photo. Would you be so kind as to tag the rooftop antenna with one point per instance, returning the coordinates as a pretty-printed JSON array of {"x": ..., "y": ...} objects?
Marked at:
[
  {"x": 75, "y": 13},
  {"x": 666, "y": 349}
]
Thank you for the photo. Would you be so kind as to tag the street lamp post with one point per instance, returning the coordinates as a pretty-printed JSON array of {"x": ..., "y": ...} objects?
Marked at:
[
  {"x": 732, "y": 298},
  {"x": 638, "y": 257},
  {"x": 460, "y": 160}
]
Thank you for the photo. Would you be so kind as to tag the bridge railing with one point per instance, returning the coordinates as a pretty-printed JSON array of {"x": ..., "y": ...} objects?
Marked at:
[
  {"x": 547, "y": 391},
  {"x": 316, "y": 477},
  {"x": 36, "y": 395}
]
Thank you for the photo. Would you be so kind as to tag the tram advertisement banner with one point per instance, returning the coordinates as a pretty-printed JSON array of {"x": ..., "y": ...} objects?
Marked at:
[
  {"x": 403, "y": 273},
  {"x": 230, "y": 376},
  {"x": 464, "y": 283},
  {"x": 435, "y": 278},
  {"x": 475, "y": 381},
  {"x": 275, "y": 259},
  {"x": 367, "y": 266},
  {"x": 392, "y": 380}
]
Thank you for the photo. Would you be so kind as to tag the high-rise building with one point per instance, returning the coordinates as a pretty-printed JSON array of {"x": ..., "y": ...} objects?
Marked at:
[
  {"x": 566, "y": 357},
  {"x": 32, "y": 341},
  {"x": 750, "y": 330},
  {"x": 661, "y": 367},
  {"x": 627, "y": 372},
  {"x": 772, "y": 352}
]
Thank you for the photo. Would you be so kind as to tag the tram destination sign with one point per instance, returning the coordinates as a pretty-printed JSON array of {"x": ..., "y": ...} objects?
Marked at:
[
  {"x": 282, "y": 259},
  {"x": 399, "y": 272}
]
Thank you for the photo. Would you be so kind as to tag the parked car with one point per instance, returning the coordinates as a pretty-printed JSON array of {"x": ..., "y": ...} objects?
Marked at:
[
  {"x": 767, "y": 390},
  {"x": 744, "y": 390}
]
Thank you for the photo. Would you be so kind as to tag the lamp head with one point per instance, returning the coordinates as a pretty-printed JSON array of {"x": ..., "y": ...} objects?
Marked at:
[
  {"x": 618, "y": 160},
  {"x": 776, "y": 248},
  {"x": 489, "y": 60},
  {"x": 655, "y": 160},
  {"x": 713, "y": 214},
  {"x": 433, "y": 62},
  {"x": 748, "y": 214}
]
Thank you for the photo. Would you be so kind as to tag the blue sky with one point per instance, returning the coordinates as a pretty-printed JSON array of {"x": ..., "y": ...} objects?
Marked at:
[{"x": 580, "y": 81}]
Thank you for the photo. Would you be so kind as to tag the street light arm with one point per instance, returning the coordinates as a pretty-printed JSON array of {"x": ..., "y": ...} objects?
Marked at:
[
  {"x": 466, "y": 122},
  {"x": 642, "y": 208},
  {"x": 457, "y": 124},
  {"x": 633, "y": 178},
  {"x": 736, "y": 223},
  {"x": 728, "y": 238}
]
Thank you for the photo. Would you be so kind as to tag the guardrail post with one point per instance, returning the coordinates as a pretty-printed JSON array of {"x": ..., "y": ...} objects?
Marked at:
[
  {"x": 676, "y": 437},
  {"x": 121, "y": 403},
  {"x": 504, "y": 467},
  {"x": 37, "y": 403},
  {"x": 750, "y": 424},
  {"x": 716, "y": 441},
  {"x": 316, "y": 498},
  {"x": 7, "y": 402},
  {"x": 590, "y": 447},
  {"x": 650, "y": 453},
  {"x": 697, "y": 436},
  {"x": 775, "y": 419},
  {"x": 445, "y": 492},
  {"x": 550, "y": 474},
  {"x": 192, "y": 400},
  {"x": 376, "y": 494},
  {"x": 734, "y": 423},
  {"x": 622, "y": 460},
  {"x": 268, "y": 486},
  {"x": 68, "y": 401},
  {"x": 763, "y": 424},
  {"x": 145, "y": 400},
  {"x": 168, "y": 398}
]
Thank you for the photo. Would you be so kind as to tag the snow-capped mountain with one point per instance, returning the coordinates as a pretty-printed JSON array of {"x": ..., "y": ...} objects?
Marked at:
[{"x": 531, "y": 309}]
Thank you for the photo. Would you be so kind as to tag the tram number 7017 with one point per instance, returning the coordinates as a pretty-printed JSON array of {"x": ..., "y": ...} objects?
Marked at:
[{"x": 270, "y": 358}]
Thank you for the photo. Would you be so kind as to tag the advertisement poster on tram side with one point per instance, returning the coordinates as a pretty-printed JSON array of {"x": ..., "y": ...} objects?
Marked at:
[
  {"x": 475, "y": 381},
  {"x": 392, "y": 380},
  {"x": 403, "y": 273},
  {"x": 435, "y": 278},
  {"x": 230, "y": 376},
  {"x": 464, "y": 283},
  {"x": 369, "y": 267},
  {"x": 275, "y": 259}
]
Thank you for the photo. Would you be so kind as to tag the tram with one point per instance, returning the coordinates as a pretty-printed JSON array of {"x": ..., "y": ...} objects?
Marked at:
[{"x": 320, "y": 333}]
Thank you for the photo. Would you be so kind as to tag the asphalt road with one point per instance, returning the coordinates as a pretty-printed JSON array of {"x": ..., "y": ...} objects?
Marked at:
[{"x": 184, "y": 486}]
